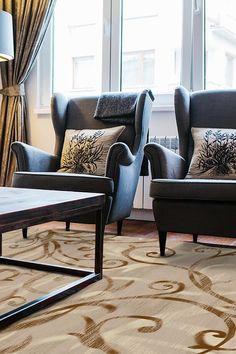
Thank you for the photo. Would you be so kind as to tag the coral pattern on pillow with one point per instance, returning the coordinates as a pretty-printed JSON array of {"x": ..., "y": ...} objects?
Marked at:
[
  {"x": 85, "y": 151},
  {"x": 214, "y": 154}
]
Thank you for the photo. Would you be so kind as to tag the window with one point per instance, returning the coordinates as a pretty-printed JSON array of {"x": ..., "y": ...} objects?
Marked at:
[
  {"x": 151, "y": 44},
  {"x": 112, "y": 45},
  {"x": 102, "y": 45},
  {"x": 78, "y": 35}
]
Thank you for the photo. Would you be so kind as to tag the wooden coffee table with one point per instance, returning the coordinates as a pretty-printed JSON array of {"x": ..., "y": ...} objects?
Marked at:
[{"x": 20, "y": 208}]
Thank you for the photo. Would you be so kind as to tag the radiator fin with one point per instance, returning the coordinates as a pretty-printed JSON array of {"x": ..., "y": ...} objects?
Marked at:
[{"x": 170, "y": 142}]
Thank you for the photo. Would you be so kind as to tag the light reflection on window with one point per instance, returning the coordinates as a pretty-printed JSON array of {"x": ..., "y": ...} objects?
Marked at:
[
  {"x": 151, "y": 44},
  {"x": 220, "y": 37}
]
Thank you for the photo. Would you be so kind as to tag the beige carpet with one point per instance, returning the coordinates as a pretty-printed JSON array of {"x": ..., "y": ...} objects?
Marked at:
[{"x": 183, "y": 303}]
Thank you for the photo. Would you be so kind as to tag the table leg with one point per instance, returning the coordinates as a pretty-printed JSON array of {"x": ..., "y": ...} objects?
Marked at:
[
  {"x": 100, "y": 225},
  {"x": 86, "y": 278}
]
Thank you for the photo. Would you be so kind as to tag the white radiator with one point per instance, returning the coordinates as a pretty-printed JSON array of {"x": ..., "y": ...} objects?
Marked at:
[
  {"x": 142, "y": 201},
  {"x": 168, "y": 141}
]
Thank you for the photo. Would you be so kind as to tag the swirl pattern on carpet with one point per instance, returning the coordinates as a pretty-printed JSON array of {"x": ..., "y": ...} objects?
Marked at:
[{"x": 182, "y": 303}]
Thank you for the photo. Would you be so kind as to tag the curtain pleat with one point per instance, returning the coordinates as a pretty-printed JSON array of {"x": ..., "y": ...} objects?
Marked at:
[{"x": 30, "y": 22}]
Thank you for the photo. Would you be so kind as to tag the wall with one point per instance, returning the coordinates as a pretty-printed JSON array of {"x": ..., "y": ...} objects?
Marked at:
[{"x": 41, "y": 131}]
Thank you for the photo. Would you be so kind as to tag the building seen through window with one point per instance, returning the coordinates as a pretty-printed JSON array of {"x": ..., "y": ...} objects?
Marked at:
[
  {"x": 220, "y": 44},
  {"x": 78, "y": 46},
  {"x": 151, "y": 47},
  {"x": 150, "y": 43}
]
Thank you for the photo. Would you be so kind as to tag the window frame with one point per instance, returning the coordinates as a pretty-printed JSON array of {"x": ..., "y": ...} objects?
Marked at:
[{"x": 192, "y": 65}]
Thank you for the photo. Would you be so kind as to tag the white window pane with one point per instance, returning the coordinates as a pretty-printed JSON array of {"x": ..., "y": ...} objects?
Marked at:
[
  {"x": 151, "y": 44},
  {"x": 138, "y": 67},
  {"x": 83, "y": 73},
  {"x": 78, "y": 46},
  {"x": 220, "y": 37}
]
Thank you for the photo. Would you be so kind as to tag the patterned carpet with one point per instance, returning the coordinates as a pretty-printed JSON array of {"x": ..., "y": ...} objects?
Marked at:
[{"x": 183, "y": 303}]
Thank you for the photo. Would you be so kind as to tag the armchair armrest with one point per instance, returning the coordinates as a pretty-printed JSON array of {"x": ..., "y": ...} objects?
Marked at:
[
  {"x": 64, "y": 181},
  {"x": 32, "y": 159},
  {"x": 119, "y": 155},
  {"x": 164, "y": 162}
]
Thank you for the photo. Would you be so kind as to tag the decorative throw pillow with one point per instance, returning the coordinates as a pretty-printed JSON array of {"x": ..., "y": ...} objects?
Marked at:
[
  {"x": 85, "y": 151},
  {"x": 214, "y": 154}
]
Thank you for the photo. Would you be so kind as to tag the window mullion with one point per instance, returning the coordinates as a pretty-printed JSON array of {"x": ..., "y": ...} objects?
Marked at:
[
  {"x": 106, "y": 46},
  {"x": 115, "y": 58},
  {"x": 187, "y": 34},
  {"x": 198, "y": 46}
]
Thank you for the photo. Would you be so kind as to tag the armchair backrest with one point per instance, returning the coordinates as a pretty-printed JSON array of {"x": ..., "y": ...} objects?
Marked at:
[
  {"x": 203, "y": 109},
  {"x": 77, "y": 113}
]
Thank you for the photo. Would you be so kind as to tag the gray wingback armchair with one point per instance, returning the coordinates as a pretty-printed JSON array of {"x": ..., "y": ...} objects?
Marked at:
[
  {"x": 196, "y": 205},
  {"x": 38, "y": 169}
]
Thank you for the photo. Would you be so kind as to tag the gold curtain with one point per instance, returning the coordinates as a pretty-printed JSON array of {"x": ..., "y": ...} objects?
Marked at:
[{"x": 30, "y": 22}]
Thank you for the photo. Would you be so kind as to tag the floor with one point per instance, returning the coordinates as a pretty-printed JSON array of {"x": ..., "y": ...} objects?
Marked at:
[{"x": 147, "y": 229}]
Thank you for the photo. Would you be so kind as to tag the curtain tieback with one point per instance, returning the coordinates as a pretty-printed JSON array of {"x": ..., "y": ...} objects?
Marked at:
[{"x": 15, "y": 90}]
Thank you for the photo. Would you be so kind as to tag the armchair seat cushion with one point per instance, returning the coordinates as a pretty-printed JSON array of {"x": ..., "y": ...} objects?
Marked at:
[
  {"x": 64, "y": 181},
  {"x": 194, "y": 189}
]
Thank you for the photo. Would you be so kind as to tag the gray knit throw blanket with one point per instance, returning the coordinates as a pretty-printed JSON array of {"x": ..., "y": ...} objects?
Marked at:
[{"x": 116, "y": 107}]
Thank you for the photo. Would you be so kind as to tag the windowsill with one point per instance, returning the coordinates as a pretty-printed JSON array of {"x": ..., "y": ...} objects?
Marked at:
[
  {"x": 160, "y": 108},
  {"x": 163, "y": 108}
]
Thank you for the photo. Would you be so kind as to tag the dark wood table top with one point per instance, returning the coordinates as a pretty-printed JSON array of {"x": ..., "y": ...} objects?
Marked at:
[{"x": 21, "y": 207}]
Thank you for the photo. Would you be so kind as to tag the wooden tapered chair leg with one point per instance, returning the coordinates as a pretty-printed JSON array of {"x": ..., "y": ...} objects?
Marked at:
[
  {"x": 119, "y": 227},
  {"x": 24, "y": 232},
  {"x": 162, "y": 242},
  {"x": 195, "y": 237},
  {"x": 67, "y": 226}
]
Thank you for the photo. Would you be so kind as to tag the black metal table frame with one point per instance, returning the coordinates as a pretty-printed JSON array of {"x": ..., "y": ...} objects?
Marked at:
[{"x": 86, "y": 277}]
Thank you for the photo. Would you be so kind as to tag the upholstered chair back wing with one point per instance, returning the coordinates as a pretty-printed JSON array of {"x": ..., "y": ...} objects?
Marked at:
[{"x": 203, "y": 109}]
